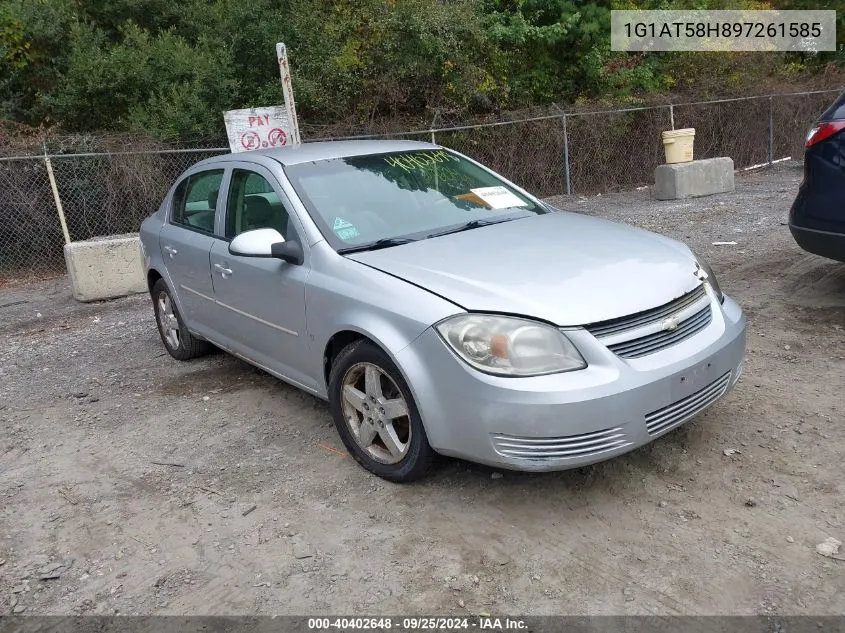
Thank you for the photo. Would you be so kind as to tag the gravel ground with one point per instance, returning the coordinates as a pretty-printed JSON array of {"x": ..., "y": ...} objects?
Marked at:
[{"x": 133, "y": 483}]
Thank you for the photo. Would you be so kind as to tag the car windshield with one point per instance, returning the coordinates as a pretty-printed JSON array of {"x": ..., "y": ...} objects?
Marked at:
[{"x": 374, "y": 201}]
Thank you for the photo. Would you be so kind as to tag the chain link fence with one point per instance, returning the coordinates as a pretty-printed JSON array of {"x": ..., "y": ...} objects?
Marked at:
[
  {"x": 30, "y": 233},
  {"x": 571, "y": 152},
  {"x": 100, "y": 194}
]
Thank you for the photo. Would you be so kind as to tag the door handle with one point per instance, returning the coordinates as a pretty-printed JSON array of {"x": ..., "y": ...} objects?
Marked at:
[
  {"x": 170, "y": 250},
  {"x": 225, "y": 272}
]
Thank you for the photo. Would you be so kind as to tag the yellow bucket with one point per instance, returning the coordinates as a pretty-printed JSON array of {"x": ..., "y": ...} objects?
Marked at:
[{"x": 678, "y": 145}]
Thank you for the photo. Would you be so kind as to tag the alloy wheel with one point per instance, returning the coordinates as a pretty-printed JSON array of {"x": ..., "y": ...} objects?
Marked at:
[
  {"x": 376, "y": 412},
  {"x": 167, "y": 321}
]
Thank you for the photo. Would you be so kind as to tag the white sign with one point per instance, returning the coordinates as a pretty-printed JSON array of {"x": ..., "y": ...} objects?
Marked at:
[
  {"x": 258, "y": 128},
  {"x": 498, "y": 197},
  {"x": 269, "y": 126}
]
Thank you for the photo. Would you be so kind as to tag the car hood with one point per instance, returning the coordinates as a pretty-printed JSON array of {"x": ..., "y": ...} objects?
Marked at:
[{"x": 564, "y": 268}]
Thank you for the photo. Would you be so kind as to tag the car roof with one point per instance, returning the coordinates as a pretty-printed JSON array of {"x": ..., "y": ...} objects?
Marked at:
[{"x": 321, "y": 150}]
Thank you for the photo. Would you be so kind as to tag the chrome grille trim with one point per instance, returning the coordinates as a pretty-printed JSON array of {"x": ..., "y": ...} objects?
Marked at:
[
  {"x": 655, "y": 315},
  {"x": 662, "y": 339},
  {"x": 571, "y": 446},
  {"x": 679, "y": 412},
  {"x": 737, "y": 373}
]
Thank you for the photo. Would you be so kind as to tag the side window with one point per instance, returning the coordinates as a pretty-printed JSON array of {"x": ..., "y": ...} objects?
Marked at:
[
  {"x": 254, "y": 205},
  {"x": 195, "y": 199}
]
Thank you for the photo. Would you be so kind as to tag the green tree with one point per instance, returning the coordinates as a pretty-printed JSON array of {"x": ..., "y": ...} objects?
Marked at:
[
  {"x": 171, "y": 67},
  {"x": 33, "y": 53},
  {"x": 546, "y": 42}
]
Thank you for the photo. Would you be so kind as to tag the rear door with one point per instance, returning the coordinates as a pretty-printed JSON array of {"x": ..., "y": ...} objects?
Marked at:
[
  {"x": 263, "y": 299},
  {"x": 186, "y": 240}
]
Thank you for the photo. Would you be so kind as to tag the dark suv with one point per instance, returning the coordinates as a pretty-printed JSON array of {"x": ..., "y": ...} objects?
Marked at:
[{"x": 817, "y": 217}]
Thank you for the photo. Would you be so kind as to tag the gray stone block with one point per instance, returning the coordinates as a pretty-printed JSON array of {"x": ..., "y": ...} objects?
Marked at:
[
  {"x": 693, "y": 179},
  {"x": 104, "y": 268}
]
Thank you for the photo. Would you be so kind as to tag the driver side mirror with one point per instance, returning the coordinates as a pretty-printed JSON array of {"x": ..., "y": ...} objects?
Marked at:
[
  {"x": 267, "y": 243},
  {"x": 290, "y": 252}
]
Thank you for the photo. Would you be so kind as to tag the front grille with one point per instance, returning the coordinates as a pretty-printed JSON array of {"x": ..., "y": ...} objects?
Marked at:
[
  {"x": 571, "y": 446},
  {"x": 654, "y": 315},
  {"x": 682, "y": 410},
  {"x": 635, "y": 348}
]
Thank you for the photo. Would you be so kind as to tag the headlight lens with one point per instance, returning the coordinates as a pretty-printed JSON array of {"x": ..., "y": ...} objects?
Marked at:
[
  {"x": 710, "y": 277},
  {"x": 508, "y": 346}
]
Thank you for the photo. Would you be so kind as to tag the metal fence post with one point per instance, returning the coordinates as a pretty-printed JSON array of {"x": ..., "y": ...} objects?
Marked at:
[
  {"x": 56, "y": 197},
  {"x": 672, "y": 115},
  {"x": 566, "y": 158},
  {"x": 771, "y": 131},
  {"x": 431, "y": 127}
]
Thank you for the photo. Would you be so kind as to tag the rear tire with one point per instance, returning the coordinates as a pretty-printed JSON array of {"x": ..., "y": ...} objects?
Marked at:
[
  {"x": 376, "y": 416},
  {"x": 178, "y": 341}
]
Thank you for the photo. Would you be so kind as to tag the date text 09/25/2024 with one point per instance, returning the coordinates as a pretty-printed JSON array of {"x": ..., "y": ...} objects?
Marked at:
[{"x": 481, "y": 623}]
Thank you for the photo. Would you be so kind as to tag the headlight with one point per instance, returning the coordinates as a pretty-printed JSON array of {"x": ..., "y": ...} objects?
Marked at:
[
  {"x": 709, "y": 277},
  {"x": 508, "y": 346}
]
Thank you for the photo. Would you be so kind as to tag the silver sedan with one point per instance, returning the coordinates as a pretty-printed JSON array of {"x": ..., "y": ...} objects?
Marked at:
[{"x": 438, "y": 307}]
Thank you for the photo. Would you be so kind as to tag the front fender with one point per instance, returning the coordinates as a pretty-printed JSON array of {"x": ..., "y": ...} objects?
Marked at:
[{"x": 347, "y": 296}]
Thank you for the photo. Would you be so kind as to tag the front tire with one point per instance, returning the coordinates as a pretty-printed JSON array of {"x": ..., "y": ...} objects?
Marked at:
[
  {"x": 376, "y": 416},
  {"x": 178, "y": 341}
]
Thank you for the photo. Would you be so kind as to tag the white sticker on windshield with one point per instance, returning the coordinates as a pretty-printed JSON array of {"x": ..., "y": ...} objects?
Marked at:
[{"x": 498, "y": 197}]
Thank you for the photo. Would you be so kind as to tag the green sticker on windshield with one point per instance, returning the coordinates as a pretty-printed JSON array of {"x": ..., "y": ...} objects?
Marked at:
[{"x": 345, "y": 230}]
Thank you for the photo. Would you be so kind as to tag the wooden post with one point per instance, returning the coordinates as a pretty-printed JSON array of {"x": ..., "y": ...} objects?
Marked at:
[{"x": 56, "y": 197}]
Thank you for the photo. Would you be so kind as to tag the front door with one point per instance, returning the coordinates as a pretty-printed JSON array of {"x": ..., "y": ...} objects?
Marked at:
[{"x": 262, "y": 300}]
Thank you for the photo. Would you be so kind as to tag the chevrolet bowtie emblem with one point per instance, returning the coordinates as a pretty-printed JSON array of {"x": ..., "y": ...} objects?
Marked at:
[{"x": 670, "y": 324}]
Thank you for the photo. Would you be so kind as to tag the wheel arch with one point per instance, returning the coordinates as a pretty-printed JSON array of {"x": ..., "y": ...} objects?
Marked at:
[
  {"x": 154, "y": 275},
  {"x": 349, "y": 334},
  {"x": 339, "y": 341}
]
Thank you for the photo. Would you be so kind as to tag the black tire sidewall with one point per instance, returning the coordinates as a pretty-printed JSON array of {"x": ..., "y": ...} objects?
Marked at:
[
  {"x": 415, "y": 464},
  {"x": 181, "y": 352}
]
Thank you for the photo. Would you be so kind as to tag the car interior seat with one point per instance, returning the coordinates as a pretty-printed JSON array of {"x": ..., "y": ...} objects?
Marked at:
[
  {"x": 204, "y": 220},
  {"x": 260, "y": 214}
]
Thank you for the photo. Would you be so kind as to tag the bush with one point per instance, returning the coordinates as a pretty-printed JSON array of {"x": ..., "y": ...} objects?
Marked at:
[{"x": 171, "y": 67}]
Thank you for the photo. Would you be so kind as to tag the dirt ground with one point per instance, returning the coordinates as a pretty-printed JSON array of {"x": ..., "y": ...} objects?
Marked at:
[{"x": 253, "y": 507}]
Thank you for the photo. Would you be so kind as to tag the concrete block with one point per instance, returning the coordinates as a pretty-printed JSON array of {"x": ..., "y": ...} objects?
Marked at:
[
  {"x": 105, "y": 267},
  {"x": 693, "y": 179}
]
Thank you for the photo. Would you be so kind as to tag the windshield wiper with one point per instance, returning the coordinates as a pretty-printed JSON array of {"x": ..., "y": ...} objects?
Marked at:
[
  {"x": 472, "y": 224},
  {"x": 374, "y": 246}
]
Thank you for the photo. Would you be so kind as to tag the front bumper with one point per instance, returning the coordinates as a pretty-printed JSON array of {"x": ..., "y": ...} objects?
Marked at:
[{"x": 572, "y": 419}]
